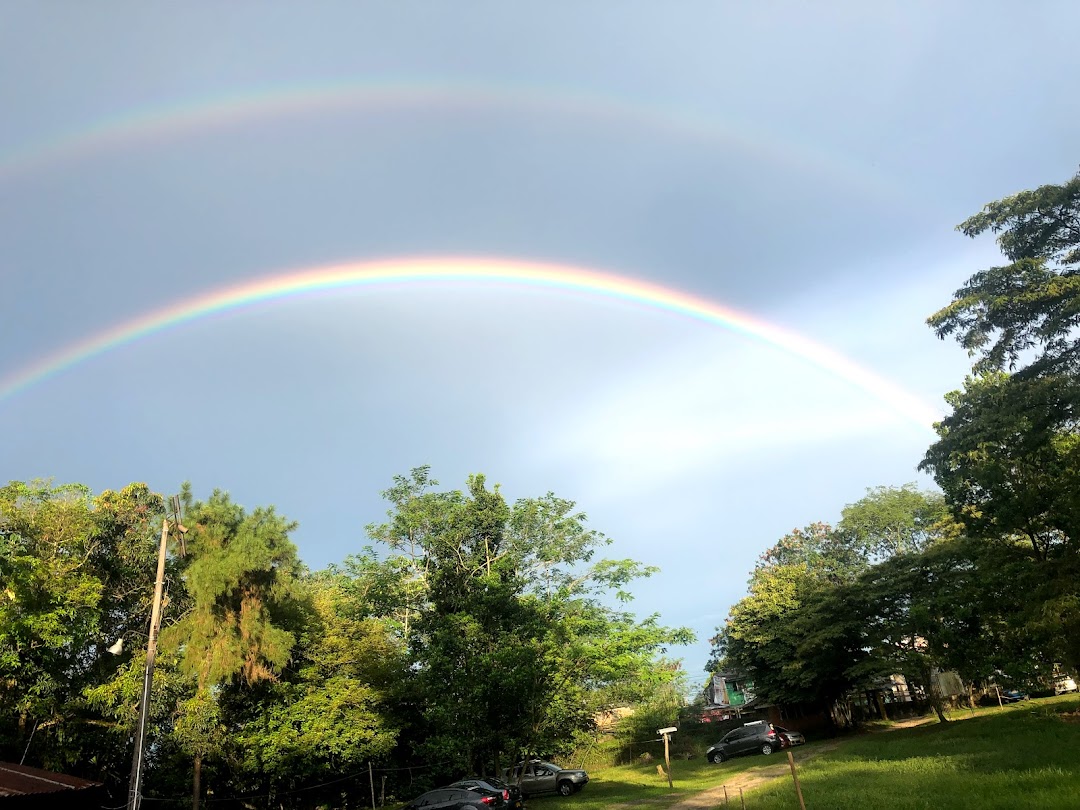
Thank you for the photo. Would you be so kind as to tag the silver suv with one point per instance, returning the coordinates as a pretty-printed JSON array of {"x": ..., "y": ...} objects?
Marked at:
[{"x": 543, "y": 777}]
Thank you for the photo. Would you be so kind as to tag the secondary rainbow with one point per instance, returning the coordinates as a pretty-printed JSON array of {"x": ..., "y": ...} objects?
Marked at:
[
  {"x": 487, "y": 271},
  {"x": 160, "y": 122}
]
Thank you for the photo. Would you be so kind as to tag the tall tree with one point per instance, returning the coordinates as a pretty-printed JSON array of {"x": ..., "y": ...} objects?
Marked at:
[
  {"x": 1029, "y": 308},
  {"x": 511, "y": 638},
  {"x": 241, "y": 583}
]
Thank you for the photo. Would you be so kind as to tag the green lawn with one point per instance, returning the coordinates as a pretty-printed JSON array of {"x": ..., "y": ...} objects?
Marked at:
[
  {"x": 636, "y": 783},
  {"x": 1025, "y": 756}
]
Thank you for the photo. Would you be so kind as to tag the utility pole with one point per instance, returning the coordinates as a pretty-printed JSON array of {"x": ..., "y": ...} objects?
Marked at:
[{"x": 138, "y": 758}]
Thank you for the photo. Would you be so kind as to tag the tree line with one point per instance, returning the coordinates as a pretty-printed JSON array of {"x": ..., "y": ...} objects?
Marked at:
[
  {"x": 982, "y": 578},
  {"x": 468, "y": 632}
]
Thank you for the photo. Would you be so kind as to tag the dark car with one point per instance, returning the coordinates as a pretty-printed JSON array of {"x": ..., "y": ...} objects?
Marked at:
[
  {"x": 452, "y": 799},
  {"x": 756, "y": 737},
  {"x": 537, "y": 776},
  {"x": 509, "y": 796}
]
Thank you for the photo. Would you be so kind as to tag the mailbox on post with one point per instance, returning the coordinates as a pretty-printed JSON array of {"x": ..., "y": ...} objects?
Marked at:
[{"x": 666, "y": 734}]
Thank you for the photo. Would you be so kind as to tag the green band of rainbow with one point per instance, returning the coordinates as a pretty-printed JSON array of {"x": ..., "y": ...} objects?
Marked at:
[{"x": 406, "y": 271}]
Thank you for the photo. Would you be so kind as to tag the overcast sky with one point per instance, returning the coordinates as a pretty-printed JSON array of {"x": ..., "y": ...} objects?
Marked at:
[{"x": 803, "y": 163}]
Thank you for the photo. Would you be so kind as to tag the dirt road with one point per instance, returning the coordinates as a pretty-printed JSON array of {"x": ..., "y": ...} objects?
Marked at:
[{"x": 714, "y": 797}]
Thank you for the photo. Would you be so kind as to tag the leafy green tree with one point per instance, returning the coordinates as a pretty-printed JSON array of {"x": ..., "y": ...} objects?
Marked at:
[
  {"x": 1008, "y": 459},
  {"x": 802, "y": 631},
  {"x": 1029, "y": 308},
  {"x": 241, "y": 584},
  {"x": 513, "y": 644},
  {"x": 826, "y": 553},
  {"x": 76, "y": 574},
  {"x": 896, "y": 520},
  {"x": 335, "y": 707}
]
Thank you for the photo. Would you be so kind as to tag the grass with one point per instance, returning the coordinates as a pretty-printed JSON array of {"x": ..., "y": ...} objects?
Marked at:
[
  {"x": 1027, "y": 755},
  {"x": 640, "y": 783},
  {"x": 1024, "y": 756}
]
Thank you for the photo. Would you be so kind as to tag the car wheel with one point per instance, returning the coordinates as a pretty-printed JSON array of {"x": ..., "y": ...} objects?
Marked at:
[
  {"x": 716, "y": 757},
  {"x": 566, "y": 788},
  {"x": 766, "y": 748}
]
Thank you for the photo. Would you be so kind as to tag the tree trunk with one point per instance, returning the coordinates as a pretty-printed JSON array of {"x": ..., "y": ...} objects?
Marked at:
[
  {"x": 935, "y": 701},
  {"x": 881, "y": 705},
  {"x": 196, "y": 787}
]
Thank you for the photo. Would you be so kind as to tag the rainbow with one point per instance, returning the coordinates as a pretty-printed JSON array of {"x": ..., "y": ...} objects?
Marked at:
[
  {"x": 491, "y": 271},
  {"x": 152, "y": 124}
]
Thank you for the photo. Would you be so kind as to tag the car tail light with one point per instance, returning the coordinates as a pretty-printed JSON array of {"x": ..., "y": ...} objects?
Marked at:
[
  {"x": 487, "y": 800},
  {"x": 506, "y": 795}
]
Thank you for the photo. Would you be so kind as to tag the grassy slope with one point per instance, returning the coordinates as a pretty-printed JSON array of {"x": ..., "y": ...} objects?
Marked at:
[
  {"x": 641, "y": 783},
  {"x": 1024, "y": 756}
]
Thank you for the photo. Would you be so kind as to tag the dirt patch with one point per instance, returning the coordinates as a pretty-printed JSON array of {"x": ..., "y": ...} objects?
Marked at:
[
  {"x": 1070, "y": 717},
  {"x": 746, "y": 780}
]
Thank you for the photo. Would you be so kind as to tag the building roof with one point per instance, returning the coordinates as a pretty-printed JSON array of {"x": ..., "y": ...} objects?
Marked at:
[{"x": 19, "y": 780}]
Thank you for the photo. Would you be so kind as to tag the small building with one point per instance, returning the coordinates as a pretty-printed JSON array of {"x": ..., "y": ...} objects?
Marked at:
[{"x": 33, "y": 788}]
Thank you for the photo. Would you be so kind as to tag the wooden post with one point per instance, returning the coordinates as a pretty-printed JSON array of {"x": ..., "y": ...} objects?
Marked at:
[
  {"x": 137, "y": 760},
  {"x": 667, "y": 761},
  {"x": 795, "y": 777},
  {"x": 371, "y": 778},
  {"x": 1000, "y": 704},
  {"x": 742, "y": 801},
  {"x": 382, "y": 793},
  {"x": 725, "y": 796}
]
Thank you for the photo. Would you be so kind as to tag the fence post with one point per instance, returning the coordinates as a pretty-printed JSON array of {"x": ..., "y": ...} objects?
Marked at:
[{"x": 795, "y": 777}]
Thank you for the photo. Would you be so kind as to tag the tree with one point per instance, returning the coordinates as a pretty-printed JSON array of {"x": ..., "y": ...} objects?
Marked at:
[
  {"x": 1029, "y": 307},
  {"x": 335, "y": 708},
  {"x": 802, "y": 631},
  {"x": 1008, "y": 456},
  {"x": 825, "y": 552},
  {"x": 512, "y": 644},
  {"x": 241, "y": 583},
  {"x": 76, "y": 574},
  {"x": 896, "y": 520},
  {"x": 1008, "y": 459}
]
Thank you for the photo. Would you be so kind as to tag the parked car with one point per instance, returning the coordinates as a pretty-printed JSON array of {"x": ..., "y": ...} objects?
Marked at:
[
  {"x": 756, "y": 737},
  {"x": 537, "y": 776},
  {"x": 509, "y": 795},
  {"x": 1014, "y": 695},
  {"x": 1064, "y": 684},
  {"x": 452, "y": 799},
  {"x": 793, "y": 737}
]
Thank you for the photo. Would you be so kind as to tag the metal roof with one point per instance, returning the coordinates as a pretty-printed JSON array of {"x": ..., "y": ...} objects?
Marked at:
[{"x": 19, "y": 780}]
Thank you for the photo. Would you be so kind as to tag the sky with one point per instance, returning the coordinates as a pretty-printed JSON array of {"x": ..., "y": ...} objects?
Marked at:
[{"x": 737, "y": 218}]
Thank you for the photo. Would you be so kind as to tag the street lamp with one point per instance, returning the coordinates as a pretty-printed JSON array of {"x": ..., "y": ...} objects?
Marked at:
[{"x": 137, "y": 760}]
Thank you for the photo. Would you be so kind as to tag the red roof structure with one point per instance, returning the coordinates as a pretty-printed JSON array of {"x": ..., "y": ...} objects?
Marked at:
[{"x": 22, "y": 786}]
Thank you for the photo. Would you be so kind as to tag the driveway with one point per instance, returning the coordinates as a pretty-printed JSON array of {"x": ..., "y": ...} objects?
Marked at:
[{"x": 714, "y": 797}]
